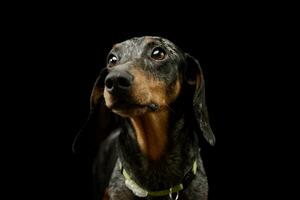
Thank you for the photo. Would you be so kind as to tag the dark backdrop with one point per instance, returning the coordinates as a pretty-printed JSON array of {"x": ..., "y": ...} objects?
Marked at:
[{"x": 60, "y": 50}]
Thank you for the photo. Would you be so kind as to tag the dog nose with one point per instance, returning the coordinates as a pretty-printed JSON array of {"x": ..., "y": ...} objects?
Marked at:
[{"x": 118, "y": 81}]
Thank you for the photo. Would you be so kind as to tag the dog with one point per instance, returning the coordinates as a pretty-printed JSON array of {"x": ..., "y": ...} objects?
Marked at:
[{"x": 147, "y": 117}]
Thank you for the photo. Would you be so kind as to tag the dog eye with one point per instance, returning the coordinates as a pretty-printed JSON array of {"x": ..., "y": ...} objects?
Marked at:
[
  {"x": 158, "y": 53},
  {"x": 112, "y": 59}
]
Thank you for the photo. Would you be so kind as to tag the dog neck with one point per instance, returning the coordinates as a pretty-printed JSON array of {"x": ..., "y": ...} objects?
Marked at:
[
  {"x": 157, "y": 148},
  {"x": 151, "y": 131}
]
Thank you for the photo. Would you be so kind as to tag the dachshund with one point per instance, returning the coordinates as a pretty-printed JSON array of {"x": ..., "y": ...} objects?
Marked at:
[{"x": 147, "y": 117}]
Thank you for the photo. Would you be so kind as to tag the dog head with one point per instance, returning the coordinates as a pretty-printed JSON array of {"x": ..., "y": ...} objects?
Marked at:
[{"x": 145, "y": 74}]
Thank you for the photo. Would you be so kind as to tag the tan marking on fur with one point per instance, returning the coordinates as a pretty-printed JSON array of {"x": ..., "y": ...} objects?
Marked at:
[
  {"x": 108, "y": 98},
  {"x": 96, "y": 94},
  {"x": 198, "y": 80},
  {"x": 149, "y": 90},
  {"x": 175, "y": 92},
  {"x": 140, "y": 89},
  {"x": 151, "y": 131},
  {"x": 105, "y": 196}
]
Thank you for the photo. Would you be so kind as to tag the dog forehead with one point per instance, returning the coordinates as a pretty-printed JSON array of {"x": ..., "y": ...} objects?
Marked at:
[{"x": 136, "y": 44}]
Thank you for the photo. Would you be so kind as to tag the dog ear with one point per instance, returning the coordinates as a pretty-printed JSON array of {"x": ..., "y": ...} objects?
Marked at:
[
  {"x": 100, "y": 122},
  {"x": 195, "y": 79}
]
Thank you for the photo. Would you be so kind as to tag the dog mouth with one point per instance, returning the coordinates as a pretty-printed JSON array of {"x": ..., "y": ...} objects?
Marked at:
[
  {"x": 125, "y": 104},
  {"x": 129, "y": 108},
  {"x": 129, "y": 105}
]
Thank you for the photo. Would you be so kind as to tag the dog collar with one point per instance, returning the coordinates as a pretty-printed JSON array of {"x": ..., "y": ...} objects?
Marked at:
[{"x": 140, "y": 192}]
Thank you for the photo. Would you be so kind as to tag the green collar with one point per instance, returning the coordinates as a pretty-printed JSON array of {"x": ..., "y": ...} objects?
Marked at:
[{"x": 140, "y": 192}]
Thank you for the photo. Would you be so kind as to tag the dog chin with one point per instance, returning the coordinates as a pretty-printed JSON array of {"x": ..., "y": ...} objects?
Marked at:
[
  {"x": 131, "y": 112},
  {"x": 126, "y": 109}
]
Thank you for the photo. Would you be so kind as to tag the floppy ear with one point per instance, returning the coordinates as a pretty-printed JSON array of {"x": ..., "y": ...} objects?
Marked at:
[
  {"x": 99, "y": 124},
  {"x": 194, "y": 77}
]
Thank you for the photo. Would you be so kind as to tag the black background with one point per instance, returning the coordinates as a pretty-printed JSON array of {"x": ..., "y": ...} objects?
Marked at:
[{"x": 57, "y": 53}]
